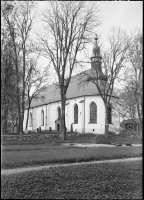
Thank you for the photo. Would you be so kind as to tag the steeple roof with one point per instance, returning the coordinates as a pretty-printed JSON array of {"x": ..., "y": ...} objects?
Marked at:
[{"x": 96, "y": 48}]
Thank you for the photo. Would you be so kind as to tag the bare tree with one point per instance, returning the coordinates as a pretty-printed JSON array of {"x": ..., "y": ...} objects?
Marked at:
[
  {"x": 8, "y": 79},
  {"x": 19, "y": 18},
  {"x": 114, "y": 61},
  {"x": 126, "y": 105},
  {"x": 134, "y": 83},
  {"x": 36, "y": 83},
  {"x": 68, "y": 27},
  {"x": 130, "y": 104}
]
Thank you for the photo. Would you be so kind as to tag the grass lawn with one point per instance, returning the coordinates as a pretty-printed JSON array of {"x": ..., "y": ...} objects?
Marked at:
[
  {"x": 95, "y": 181},
  {"x": 41, "y": 154}
]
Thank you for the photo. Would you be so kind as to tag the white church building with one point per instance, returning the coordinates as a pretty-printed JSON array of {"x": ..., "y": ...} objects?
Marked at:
[{"x": 84, "y": 111}]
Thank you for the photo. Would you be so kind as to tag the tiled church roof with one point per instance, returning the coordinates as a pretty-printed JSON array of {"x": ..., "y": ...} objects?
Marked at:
[{"x": 52, "y": 93}]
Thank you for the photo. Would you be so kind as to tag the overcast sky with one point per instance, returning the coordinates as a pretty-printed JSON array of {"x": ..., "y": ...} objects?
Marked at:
[{"x": 124, "y": 14}]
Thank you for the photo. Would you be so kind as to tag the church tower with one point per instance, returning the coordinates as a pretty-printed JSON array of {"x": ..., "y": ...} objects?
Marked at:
[{"x": 96, "y": 61}]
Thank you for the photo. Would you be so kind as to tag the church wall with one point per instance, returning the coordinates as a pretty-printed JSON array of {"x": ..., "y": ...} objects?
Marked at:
[
  {"x": 38, "y": 117},
  {"x": 34, "y": 112},
  {"x": 25, "y": 118},
  {"x": 51, "y": 114},
  {"x": 70, "y": 115},
  {"x": 97, "y": 128}
]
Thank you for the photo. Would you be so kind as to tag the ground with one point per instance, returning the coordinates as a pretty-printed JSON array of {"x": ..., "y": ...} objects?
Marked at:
[
  {"x": 96, "y": 181},
  {"x": 51, "y": 150},
  {"x": 42, "y": 154}
]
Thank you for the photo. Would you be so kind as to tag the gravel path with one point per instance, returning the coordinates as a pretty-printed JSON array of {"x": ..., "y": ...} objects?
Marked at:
[
  {"x": 20, "y": 170},
  {"x": 97, "y": 145}
]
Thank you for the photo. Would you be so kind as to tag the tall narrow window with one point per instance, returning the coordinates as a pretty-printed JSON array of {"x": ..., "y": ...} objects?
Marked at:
[
  {"x": 110, "y": 114},
  {"x": 59, "y": 113},
  {"x": 30, "y": 119},
  {"x": 76, "y": 114},
  {"x": 93, "y": 113},
  {"x": 42, "y": 118}
]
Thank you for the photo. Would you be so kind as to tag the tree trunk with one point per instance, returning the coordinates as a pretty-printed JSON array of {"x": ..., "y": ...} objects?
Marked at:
[
  {"x": 23, "y": 90},
  {"x": 5, "y": 130},
  {"x": 63, "y": 128},
  {"x": 20, "y": 124},
  {"x": 21, "y": 129},
  {"x": 26, "y": 128},
  {"x": 106, "y": 122},
  {"x": 27, "y": 118},
  {"x": 106, "y": 128},
  {"x": 140, "y": 118},
  {"x": 13, "y": 129}
]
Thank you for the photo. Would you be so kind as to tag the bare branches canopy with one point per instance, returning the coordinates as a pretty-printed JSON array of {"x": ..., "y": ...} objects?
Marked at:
[{"x": 68, "y": 28}]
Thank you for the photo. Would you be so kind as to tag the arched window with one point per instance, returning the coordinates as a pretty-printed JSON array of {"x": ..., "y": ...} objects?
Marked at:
[
  {"x": 76, "y": 114},
  {"x": 30, "y": 119},
  {"x": 42, "y": 117},
  {"x": 59, "y": 113},
  {"x": 110, "y": 114},
  {"x": 93, "y": 113}
]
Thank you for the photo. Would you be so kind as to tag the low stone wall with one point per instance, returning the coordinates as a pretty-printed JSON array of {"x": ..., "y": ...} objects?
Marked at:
[
  {"x": 27, "y": 137},
  {"x": 33, "y": 136}
]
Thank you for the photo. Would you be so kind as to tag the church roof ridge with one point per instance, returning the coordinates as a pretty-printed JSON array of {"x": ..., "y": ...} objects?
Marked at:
[{"x": 52, "y": 93}]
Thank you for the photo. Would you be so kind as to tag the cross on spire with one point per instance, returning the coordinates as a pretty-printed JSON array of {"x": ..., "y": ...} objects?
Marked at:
[{"x": 96, "y": 37}]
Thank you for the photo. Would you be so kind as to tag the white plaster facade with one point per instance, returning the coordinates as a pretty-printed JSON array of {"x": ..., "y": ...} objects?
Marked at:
[{"x": 83, "y": 125}]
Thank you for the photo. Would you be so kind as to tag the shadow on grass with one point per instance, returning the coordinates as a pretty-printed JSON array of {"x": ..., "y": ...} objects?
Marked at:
[{"x": 64, "y": 161}]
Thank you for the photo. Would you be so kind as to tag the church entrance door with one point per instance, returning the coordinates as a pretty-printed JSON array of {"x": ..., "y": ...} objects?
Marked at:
[{"x": 58, "y": 127}]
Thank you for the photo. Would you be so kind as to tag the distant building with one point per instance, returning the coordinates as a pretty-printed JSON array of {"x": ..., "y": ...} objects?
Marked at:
[
  {"x": 85, "y": 110},
  {"x": 130, "y": 124}
]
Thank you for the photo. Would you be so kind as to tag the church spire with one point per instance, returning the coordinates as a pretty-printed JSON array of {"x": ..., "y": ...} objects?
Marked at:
[
  {"x": 96, "y": 51},
  {"x": 96, "y": 48},
  {"x": 96, "y": 59}
]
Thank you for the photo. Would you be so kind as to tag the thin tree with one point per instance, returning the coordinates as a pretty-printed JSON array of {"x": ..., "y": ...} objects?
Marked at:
[
  {"x": 114, "y": 61},
  {"x": 68, "y": 27},
  {"x": 36, "y": 83},
  {"x": 131, "y": 102},
  {"x": 19, "y": 18},
  {"x": 135, "y": 84},
  {"x": 8, "y": 79},
  {"x": 126, "y": 105}
]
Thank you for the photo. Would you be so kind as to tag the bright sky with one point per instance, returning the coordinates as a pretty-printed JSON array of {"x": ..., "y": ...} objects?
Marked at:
[{"x": 124, "y": 14}]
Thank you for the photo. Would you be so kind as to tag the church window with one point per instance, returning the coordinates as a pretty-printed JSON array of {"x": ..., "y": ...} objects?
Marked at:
[
  {"x": 109, "y": 114},
  {"x": 30, "y": 119},
  {"x": 59, "y": 113},
  {"x": 42, "y": 118},
  {"x": 93, "y": 113},
  {"x": 76, "y": 114}
]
